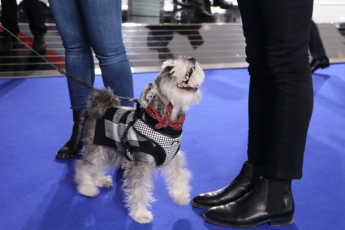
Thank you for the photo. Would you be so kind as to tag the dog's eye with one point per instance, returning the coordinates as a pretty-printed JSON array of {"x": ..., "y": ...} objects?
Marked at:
[{"x": 168, "y": 68}]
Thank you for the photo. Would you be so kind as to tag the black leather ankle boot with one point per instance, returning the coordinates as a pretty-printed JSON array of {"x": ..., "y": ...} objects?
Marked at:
[
  {"x": 241, "y": 185},
  {"x": 268, "y": 202},
  {"x": 75, "y": 144},
  {"x": 39, "y": 43},
  {"x": 8, "y": 43},
  {"x": 204, "y": 15},
  {"x": 318, "y": 63},
  {"x": 222, "y": 4}
]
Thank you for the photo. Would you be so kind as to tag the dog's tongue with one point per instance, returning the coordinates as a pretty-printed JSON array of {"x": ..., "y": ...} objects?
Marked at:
[{"x": 187, "y": 86}]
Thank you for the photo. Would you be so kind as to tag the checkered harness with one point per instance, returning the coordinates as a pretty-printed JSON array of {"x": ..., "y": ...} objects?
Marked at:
[{"x": 127, "y": 130}]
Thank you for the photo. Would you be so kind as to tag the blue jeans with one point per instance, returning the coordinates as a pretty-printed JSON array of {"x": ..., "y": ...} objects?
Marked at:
[
  {"x": 281, "y": 90},
  {"x": 86, "y": 25}
]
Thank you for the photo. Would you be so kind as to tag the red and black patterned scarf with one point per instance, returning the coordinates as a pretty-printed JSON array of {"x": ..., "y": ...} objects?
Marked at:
[{"x": 165, "y": 121}]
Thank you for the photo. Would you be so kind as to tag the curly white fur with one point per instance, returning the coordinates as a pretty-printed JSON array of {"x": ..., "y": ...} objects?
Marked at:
[{"x": 138, "y": 174}]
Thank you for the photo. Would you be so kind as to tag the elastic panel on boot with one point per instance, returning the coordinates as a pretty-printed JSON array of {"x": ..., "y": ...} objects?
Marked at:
[{"x": 276, "y": 202}]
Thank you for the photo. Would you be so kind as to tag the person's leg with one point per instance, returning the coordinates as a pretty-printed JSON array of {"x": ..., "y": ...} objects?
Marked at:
[
  {"x": 104, "y": 29},
  {"x": 287, "y": 25},
  {"x": 35, "y": 16},
  {"x": 9, "y": 18},
  {"x": 202, "y": 11},
  {"x": 10, "y": 22},
  {"x": 79, "y": 62},
  {"x": 280, "y": 94},
  {"x": 222, "y": 4},
  {"x": 260, "y": 110},
  {"x": 78, "y": 53},
  {"x": 36, "y": 23},
  {"x": 260, "y": 98}
]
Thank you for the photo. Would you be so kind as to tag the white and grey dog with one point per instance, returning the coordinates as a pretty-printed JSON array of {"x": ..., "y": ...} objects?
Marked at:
[{"x": 141, "y": 140}]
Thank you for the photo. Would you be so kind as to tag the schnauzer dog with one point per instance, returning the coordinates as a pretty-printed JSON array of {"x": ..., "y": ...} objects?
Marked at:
[{"x": 138, "y": 141}]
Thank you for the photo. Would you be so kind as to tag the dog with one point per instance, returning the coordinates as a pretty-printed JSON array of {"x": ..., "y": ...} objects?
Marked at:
[{"x": 138, "y": 141}]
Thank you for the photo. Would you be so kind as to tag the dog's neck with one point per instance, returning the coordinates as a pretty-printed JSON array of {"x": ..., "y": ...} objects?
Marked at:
[
  {"x": 161, "y": 103},
  {"x": 164, "y": 115}
]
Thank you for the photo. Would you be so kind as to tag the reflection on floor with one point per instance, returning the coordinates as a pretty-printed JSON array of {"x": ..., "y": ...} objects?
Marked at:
[{"x": 172, "y": 30}]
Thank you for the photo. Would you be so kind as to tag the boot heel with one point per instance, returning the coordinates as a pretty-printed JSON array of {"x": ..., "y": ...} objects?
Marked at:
[{"x": 282, "y": 222}]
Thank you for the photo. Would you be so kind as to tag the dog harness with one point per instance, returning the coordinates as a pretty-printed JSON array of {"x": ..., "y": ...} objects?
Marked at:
[{"x": 127, "y": 130}]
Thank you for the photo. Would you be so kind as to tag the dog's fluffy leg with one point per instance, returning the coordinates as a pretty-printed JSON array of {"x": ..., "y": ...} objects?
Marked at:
[
  {"x": 90, "y": 170},
  {"x": 83, "y": 177},
  {"x": 104, "y": 163},
  {"x": 138, "y": 186},
  {"x": 177, "y": 178},
  {"x": 113, "y": 159}
]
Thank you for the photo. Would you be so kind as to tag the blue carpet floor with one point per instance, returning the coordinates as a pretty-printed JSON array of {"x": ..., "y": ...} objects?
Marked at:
[{"x": 37, "y": 191}]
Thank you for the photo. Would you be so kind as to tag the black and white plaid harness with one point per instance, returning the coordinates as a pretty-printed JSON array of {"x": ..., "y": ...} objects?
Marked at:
[{"x": 127, "y": 130}]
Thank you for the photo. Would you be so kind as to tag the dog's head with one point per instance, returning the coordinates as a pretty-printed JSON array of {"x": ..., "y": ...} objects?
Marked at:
[{"x": 178, "y": 83}]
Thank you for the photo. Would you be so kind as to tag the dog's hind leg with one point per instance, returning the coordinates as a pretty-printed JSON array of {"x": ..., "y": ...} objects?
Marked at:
[
  {"x": 177, "y": 178},
  {"x": 138, "y": 186}
]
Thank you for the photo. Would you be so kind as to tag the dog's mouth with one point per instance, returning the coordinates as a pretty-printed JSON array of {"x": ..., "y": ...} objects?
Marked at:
[{"x": 184, "y": 84}]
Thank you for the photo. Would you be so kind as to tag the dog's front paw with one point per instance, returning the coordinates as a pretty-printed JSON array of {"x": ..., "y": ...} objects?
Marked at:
[
  {"x": 181, "y": 198},
  {"x": 88, "y": 190},
  {"x": 105, "y": 181},
  {"x": 142, "y": 217}
]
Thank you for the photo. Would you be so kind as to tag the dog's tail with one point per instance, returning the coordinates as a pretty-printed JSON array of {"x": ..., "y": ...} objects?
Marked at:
[{"x": 100, "y": 101}]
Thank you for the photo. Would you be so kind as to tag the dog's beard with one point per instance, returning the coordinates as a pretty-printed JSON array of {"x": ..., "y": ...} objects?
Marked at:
[
  {"x": 174, "y": 74},
  {"x": 184, "y": 98},
  {"x": 186, "y": 70}
]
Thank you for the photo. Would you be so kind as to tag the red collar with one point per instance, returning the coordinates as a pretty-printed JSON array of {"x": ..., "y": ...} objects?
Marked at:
[{"x": 165, "y": 121}]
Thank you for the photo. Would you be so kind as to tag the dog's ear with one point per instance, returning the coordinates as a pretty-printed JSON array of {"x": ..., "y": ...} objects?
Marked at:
[{"x": 146, "y": 95}]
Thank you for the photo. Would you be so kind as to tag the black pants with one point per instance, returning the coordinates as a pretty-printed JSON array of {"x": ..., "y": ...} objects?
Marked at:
[
  {"x": 10, "y": 21},
  {"x": 316, "y": 48},
  {"x": 280, "y": 91}
]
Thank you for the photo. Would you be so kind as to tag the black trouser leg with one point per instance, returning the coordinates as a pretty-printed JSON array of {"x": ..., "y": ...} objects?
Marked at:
[
  {"x": 281, "y": 95},
  {"x": 35, "y": 16},
  {"x": 9, "y": 16}
]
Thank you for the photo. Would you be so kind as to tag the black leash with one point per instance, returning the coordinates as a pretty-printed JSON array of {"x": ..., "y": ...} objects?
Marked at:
[{"x": 62, "y": 71}]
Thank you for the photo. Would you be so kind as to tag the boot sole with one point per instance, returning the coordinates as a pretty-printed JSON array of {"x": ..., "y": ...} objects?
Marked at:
[
  {"x": 66, "y": 157},
  {"x": 78, "y": 153},
  {"x": 200, "y": 206},
  {"x": 272, "y": 222}
]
